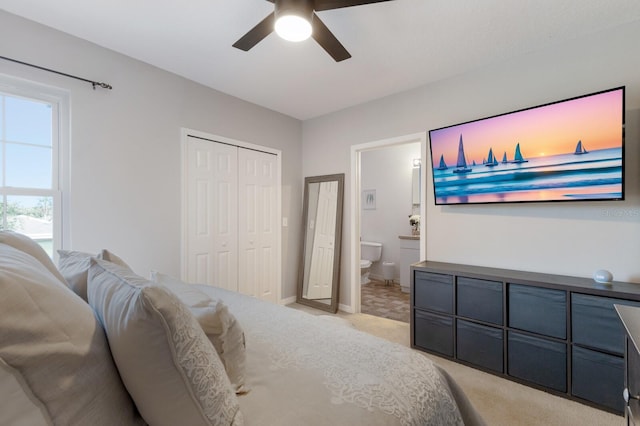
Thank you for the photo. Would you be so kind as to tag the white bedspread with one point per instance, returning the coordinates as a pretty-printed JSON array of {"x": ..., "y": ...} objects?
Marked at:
[{"x": 309, "y": 370}]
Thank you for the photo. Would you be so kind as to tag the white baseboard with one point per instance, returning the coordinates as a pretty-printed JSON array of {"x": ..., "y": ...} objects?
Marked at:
[
  {"x": 346, "y": 308},
  {"x": 288, "y": 300}
]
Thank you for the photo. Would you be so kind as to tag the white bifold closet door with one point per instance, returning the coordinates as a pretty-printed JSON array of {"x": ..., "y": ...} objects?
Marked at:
[
  {"x": 231, "y": 218},
  {"x": 257, "y": 224}
]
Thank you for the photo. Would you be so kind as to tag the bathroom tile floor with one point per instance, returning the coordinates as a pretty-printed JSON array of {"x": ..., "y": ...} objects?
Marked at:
[{"x": 387, "y": 301}]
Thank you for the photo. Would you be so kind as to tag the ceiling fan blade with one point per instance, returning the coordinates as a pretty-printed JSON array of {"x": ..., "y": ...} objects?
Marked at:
[
  {"x": 328, "y": 41},
  {"x": 337, "y": 4},
  {"x": 256, "y": 34}
]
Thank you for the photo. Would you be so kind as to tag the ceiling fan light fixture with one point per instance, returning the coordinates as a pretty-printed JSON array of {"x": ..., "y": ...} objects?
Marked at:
[
  {"x": 293, "y": 28},
  {"x": 293, "y": 19}
]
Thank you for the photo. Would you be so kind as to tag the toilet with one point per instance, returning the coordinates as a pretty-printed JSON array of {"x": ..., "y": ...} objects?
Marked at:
[{"x": 370, "y": 252}]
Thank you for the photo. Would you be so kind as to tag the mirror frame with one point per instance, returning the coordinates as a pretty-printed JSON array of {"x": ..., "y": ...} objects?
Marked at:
[{"x": 335, "y": 285}]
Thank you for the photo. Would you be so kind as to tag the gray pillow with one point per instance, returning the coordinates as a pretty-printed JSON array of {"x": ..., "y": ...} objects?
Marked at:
[
  {"x": 74, "y": 267},
  {"x": 166, "y": 362},
  {"x": 52, "y": 339}
]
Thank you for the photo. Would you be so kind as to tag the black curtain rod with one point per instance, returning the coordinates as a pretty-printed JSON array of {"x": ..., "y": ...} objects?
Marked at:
[{"x": 93, "y": 83}]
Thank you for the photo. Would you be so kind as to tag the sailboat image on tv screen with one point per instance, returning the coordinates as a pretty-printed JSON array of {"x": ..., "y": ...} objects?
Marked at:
[
  {"x": 442, "y": 165},
  {"x": 580, "y": 149},
  {"x": 491, "y": 160},
  {"x": 517, "y": 158},
  {"x": 461, "y": 164}
]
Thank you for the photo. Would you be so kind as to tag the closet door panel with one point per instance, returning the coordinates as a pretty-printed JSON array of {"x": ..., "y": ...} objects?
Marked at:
[
  {"x": 257, "y": 238},
  {"x": 212, "y": 225}
]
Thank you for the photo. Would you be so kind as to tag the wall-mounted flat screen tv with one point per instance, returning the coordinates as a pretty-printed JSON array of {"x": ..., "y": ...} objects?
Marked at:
[{"x": 570, "y": 150}]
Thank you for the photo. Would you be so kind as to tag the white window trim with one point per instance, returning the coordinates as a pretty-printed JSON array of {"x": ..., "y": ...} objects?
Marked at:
[{"x": 59, "y": 99}]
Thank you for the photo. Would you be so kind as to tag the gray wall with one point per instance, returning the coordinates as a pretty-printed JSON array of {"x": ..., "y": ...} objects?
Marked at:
[
  {"x": 125, "y": 154},
  {"x": 570, "y": 238}
]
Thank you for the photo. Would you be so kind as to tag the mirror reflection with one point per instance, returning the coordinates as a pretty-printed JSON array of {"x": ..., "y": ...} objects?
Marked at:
[
  {"x": 320, "y": 267},
  {"x": 415, "y": 185}
]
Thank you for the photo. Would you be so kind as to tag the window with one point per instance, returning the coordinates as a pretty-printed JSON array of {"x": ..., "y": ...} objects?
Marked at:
[{"x": 30, "y": 193}]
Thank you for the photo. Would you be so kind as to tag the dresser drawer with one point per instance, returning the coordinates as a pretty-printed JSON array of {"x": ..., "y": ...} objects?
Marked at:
[
  {"x": 537, "y": 360},
  {"x": 433, "y": 291},
  {"x": 538, "y": 310},
  {"x": 595, "y": 322},
  {"x": 598, "y": 377},
  {"x": 434, "y": 332},
  {"x": 480, "y": 299},
  {"x": 480, "y": 345}
]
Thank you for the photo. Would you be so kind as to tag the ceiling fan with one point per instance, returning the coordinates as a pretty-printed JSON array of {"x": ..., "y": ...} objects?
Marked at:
[{"x": 295, "y": 20}]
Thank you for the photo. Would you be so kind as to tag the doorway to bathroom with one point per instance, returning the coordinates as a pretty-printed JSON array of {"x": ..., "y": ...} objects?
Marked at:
[{"x": 387, "y": 191}]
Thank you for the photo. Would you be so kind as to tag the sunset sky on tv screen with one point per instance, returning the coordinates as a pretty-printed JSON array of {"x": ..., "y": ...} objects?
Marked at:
[{"x": 553, "y": 129}]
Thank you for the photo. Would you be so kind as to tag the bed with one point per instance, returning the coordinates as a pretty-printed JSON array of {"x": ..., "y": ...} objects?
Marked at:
[{"x": 91, "y": 342}]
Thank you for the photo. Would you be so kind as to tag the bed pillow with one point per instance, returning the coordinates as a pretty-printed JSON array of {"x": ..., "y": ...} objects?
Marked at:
[
  {"x": 74, "y": 267},
  {"x": 166, "y": 362},
  {"x": 52, "y": 339},
  {"x": 110, "y": 257},
  {"x": 29, "y": 246},
  {"x": 222, "y": 328}
]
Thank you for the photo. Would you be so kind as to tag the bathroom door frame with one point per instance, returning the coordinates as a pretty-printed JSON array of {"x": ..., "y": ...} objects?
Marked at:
[{"x": 354, "y": 238}]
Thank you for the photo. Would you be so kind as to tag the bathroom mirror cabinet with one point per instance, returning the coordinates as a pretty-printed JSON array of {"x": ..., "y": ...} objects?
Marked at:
[{"x": 319, "y": 273}]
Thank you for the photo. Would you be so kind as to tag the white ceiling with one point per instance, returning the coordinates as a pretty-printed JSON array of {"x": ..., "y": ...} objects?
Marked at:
[{"x": 395, "y": 45}]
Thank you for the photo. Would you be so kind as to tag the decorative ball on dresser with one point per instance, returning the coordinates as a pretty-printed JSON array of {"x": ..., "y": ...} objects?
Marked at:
[{"x": 602, "y": 276}]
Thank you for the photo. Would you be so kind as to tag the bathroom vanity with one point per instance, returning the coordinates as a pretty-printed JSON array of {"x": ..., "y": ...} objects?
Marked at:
[
  {"x": 557, "y": 333},
  {"x": 409, "y": 254}
]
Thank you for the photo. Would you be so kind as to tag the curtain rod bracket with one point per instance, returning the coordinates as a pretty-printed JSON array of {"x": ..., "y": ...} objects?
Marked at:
[{"x": 103, "y": 85}]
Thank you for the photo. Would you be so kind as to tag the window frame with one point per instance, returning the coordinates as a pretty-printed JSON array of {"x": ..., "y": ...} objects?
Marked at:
[{"x": 60, "y": 115}]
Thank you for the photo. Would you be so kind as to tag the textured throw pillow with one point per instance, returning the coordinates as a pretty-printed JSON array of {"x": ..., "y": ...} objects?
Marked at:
[
  {"x": 53, "y": 340},
  {"x": 74, "y": 267},
  {"x": 226, "y": 335},
  {"x": 29, "y": 246},
  {"x": 220, "y": 326},
  {"x": 166, "y": 362}
]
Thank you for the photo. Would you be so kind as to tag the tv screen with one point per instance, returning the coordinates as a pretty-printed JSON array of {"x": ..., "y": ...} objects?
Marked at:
[{"x": 569, "y": 150}]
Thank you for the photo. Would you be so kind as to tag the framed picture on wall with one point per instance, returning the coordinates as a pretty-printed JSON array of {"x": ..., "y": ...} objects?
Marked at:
[{"x": 369, "y": 199}]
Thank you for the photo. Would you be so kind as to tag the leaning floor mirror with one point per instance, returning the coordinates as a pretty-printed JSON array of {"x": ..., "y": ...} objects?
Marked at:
[{"x": 319, "y": 276}]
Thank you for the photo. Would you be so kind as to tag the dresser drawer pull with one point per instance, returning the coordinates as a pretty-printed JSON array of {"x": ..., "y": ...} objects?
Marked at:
[{"x": 627, "y": 397}]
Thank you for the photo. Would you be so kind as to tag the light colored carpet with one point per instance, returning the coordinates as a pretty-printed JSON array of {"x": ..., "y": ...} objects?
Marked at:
[{"x": 501, "y": 402}]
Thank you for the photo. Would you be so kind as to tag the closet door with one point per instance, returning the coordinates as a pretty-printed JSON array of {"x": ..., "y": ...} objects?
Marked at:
[
  {"x": 212, "y": 219},
  {"x": 257, "y": 224}
]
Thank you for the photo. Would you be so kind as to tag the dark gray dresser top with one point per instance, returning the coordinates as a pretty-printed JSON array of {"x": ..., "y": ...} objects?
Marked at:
[{"x": 583, "y": 285}]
